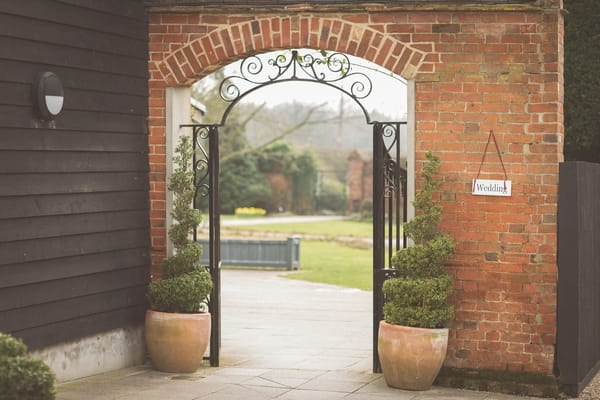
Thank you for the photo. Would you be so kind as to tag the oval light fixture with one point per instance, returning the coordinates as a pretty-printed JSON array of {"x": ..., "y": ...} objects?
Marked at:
[{"x": 49, "y": 95}]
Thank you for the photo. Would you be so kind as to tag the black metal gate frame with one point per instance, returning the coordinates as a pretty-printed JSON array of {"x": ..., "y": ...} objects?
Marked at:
[
  {"x": 389, "y": 179},
  {"x": 206, "y": 178}
]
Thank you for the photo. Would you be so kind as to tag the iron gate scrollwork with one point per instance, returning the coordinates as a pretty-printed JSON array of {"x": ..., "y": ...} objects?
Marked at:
[
  {"x": 389, "y": 178},
  {"x": 330, "y": 69}
]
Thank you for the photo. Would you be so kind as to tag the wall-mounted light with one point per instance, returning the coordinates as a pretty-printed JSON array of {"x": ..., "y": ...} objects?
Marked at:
[{"x": 48, "y": 96}]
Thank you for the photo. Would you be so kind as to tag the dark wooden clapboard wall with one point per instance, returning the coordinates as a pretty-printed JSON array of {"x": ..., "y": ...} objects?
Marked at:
[{"x": 74, "y": 234}]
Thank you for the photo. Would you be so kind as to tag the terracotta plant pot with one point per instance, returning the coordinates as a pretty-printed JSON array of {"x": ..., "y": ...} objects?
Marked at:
[
  {"x": 411, "y": 358},
  {"x": 177, "y": 342}
]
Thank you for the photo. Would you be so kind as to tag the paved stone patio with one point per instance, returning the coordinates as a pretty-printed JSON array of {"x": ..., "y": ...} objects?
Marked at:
[{"x": 281, "y": 339}]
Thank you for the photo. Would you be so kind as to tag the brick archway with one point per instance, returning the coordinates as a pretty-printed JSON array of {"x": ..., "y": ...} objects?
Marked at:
[
  {"x": 475, "y": 67},
  {"x": 192, "y": 60}
]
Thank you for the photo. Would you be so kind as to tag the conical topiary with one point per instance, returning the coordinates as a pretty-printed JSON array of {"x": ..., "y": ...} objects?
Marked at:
[
  {"x": 185, "y": 284},
  {"x": 417, "y": 298}
]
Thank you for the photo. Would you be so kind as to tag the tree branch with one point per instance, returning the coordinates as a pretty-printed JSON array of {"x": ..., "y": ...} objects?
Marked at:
[
  {"x": 288, "y": 131},
  {"x": 251, "y": 116}
]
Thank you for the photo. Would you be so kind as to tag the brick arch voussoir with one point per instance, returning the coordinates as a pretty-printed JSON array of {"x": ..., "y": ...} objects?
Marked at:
[{"x": 197, "y": 58}]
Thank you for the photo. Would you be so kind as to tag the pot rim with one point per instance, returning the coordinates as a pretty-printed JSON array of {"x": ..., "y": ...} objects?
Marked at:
[
  {"x": 179, "y": 314},
  {"x": 413, "y": 328}
]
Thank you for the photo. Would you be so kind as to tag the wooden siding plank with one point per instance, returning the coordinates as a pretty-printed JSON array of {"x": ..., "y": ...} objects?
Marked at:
[
  {"x": 133, "y": 9},
  {"x": 30, "y": 184},
  {"x": 66, "y": 14},
  {"x": 74, "y": 140},
  {"x": 61, "y": 161},
  {"x": 49, "y": 248},
  {"x": 42, "y": 314},
  {"x": 66, "y": 225},
  {"x": 58, "y": 290},
  {"x": 15, "y": 93},
  {"x": 74, "y": 266},
  {"x": 103, "y": 82},
  {"x": 71, "y": 203},
  {"x": 106, "y": 102},
  {"x": 64, "y": 331},
  {"x": 19, "y": 116},
  {"x": 20, "y": 94},
  {"x": 23, "y": 27},
  {"x": 30, "y": 51}
]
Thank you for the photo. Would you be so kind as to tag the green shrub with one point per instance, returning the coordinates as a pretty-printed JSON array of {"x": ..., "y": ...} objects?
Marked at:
[
  {"x": 367, "y": 210},
  {"x": 21, "y": 376},
  {"x": 424, "y": 260},
  {"x": 242, "y": 184},
  {"x": 304, "y": 176},
  {"x": 418, "y": 302},
  {"x": 332, "y": 195},
  {"x": 183, "y": 294},
  {"x": 185, "y": 284},
  {"x": 11, "y": 347},
  {"x": 186, "y": 260},
  {"x": 418, "y": 297},
  {"x": 25, "y": 378}
]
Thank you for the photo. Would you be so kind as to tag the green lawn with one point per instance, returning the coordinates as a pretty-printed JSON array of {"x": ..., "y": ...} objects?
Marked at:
[
  {"x": 232, "y": 216},
  {"x": 343, "y": 263},
  {"x": 330, "y": 262},
  {"x": 334, "y": 228}
]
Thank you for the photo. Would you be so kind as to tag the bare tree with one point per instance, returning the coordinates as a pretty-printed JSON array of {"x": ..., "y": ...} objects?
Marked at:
[{"x": 234, "y": 143}]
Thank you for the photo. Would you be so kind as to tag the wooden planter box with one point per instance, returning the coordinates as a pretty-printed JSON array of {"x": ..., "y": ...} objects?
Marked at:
[{"x": 257, "y": 252}]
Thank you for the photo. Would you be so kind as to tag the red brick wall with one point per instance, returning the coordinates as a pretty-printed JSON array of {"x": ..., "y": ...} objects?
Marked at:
[
  {"x": 354, "y": 180},
  {"x": 475, "y": 69},
  {"x": 280, "y": 190}
]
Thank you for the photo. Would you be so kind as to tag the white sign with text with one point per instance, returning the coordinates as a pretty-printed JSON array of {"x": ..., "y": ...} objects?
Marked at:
[{"x": 491, "y": 187}]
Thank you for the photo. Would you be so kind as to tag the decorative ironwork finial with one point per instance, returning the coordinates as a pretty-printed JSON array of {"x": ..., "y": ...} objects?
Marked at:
[{"x": 331, "y": 69}]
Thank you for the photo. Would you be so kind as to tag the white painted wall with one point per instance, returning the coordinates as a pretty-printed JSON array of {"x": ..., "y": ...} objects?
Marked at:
[
  {"x": 410, "y": 151},
  {"x": 96, "y": 354},
  {"x": 177, "y": 112}
]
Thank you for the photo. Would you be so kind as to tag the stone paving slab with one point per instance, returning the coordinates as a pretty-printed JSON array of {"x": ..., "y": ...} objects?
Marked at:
[{"x": 281, "y": 339}]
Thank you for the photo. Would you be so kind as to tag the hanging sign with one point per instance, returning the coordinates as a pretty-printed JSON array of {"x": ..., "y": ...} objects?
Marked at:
[{"x": 491, "y": 187}]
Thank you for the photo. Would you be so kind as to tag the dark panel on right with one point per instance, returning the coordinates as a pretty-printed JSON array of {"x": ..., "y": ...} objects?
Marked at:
[{"x": 578, "y": 335}]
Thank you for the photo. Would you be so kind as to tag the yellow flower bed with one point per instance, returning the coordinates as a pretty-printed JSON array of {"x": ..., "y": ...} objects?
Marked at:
[{"x": 250, "y": 211}]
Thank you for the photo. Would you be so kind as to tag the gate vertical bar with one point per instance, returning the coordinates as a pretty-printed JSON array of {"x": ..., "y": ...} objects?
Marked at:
[
  {"x": 399, "y": 192},
  {"x": 403, "y": 182},
  {"x": 214, "y": 211},
  {"x": 388, "y": 176},
  {"x": 378, "y": 236}
]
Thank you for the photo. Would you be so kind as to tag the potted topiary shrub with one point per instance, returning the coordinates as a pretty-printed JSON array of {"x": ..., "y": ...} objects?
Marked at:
[
  {"x": 177, "y": 331},
  {"x": 413, "y": 339},
  {"x": 23, "y": 377}
]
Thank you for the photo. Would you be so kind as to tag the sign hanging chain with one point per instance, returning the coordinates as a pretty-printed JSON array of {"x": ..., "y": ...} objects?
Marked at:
[{"x": 490, "y": 137}]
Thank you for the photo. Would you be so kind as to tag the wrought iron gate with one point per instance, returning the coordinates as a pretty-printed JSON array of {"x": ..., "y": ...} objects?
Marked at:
[
  {"x": 206, "y": 178},
  {"x": 389, "y": 212},
  {"x": 389, "y": 178}
]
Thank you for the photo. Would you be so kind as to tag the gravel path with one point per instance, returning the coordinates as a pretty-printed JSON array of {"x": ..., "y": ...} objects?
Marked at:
[{"x": 592, "y": 391}]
